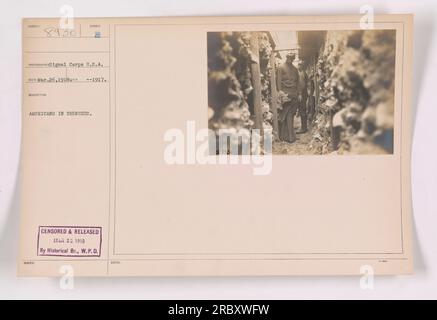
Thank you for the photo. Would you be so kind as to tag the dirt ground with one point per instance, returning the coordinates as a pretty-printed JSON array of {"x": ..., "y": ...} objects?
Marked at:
[{"x": 298, "y": 147}]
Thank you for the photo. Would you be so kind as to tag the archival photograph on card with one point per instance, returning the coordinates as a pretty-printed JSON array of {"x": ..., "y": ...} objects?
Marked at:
[
  {"x": 303, "y": 92},
  {"x": 127, "y": 146}
]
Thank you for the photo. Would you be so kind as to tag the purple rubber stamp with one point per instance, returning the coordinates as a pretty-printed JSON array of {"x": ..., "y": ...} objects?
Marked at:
[{"x": 69, "y": 241}]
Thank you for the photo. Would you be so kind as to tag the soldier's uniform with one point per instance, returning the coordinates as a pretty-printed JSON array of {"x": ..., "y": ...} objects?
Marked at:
[
  {"x": 303, "y": 92},
  {"x": 288, "y": 81}
]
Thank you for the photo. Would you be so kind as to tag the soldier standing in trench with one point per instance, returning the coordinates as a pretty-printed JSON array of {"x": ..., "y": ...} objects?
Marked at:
[
  {"x": 288, "y": 82},
  {"x": 303, "y": 93}
]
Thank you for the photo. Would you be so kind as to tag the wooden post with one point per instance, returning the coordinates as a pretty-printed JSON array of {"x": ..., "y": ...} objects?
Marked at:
[
  {"x": 316, "y": 85},
  {"x": 274, "y": 95},
  {"x": 256, "y": 82}
]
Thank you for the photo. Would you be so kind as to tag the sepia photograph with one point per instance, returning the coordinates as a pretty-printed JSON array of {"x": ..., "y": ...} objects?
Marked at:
[{"x": 312, "y": 92}]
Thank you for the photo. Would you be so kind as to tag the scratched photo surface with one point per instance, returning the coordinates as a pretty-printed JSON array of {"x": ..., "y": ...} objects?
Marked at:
[{"x": 314, "y": 92}]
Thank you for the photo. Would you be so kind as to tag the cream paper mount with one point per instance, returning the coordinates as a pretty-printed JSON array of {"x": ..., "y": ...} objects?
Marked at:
[{"x": 216, "y": 146}]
